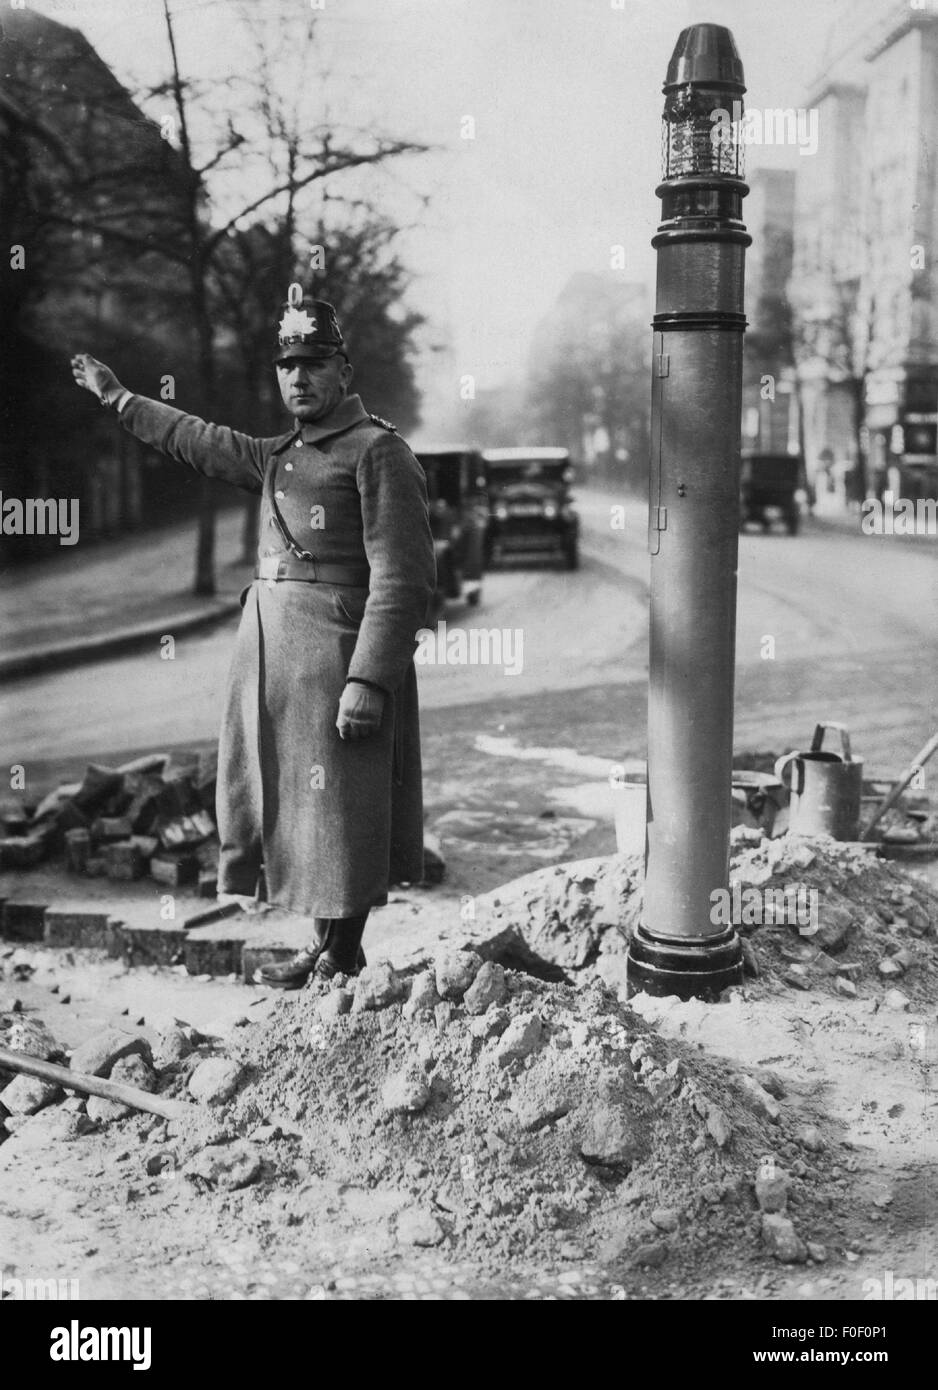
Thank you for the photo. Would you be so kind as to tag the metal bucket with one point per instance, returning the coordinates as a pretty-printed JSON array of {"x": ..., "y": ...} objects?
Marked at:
[
  {"x": 825, "y": 788},
  {"x": 630, "y": 795}
]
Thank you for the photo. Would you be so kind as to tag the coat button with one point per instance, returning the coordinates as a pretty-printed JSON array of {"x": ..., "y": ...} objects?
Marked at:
[
  {"x": 298, "y": 444},
  {"x": 271, "y": 521},
  {"x": 288, "y": 467},
  {"x": 279, "y": 493}
]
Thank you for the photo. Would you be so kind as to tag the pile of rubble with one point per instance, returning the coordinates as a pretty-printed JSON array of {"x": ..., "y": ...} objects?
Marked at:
[
  {"x": 152, "y": 816},
  {"x": 874, "y": 928},
  {"x": 517, "y": 1118},
  {"x": 867, "y": 923}
]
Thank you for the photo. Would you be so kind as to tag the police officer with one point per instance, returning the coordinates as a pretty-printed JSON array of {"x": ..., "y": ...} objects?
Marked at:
[{"x": 319, "y": 779}]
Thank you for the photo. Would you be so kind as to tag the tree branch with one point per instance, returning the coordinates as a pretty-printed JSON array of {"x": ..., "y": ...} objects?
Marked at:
[{"x": 349, "y": 161}]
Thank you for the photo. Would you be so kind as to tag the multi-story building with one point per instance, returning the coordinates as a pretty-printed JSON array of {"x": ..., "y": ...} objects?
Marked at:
[
  {"x": 770, "y": 413},
  {"x": 864, "y": 287}
]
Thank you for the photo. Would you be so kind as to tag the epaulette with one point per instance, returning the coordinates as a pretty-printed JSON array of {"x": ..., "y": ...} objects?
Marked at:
[{"x": 385, "y": 424}]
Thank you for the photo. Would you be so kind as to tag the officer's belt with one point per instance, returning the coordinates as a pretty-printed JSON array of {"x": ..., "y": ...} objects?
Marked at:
[{"x": 311, "y": 571}]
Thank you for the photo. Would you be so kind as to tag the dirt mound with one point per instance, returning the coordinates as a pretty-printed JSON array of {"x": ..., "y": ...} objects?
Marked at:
[
  {"x": 874, "y": 927},
  {"x": 856, "y": 922},
  {"x": 521, "y": 1118}
]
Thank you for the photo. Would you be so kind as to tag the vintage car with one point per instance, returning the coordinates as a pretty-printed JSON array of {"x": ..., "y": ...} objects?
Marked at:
[
  {"x": 773, "y": 487},
  {"x": 530, "y": 508},
  {"x": 458, "y": 519}
]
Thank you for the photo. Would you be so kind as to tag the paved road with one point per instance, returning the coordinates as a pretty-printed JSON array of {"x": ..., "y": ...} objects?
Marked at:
[{"x": 852, "y": 618}]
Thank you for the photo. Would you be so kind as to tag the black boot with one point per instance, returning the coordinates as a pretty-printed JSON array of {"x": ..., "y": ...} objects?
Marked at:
[
  {"x": 293, "y": 973},
  {"x": 342, "y": 953}
]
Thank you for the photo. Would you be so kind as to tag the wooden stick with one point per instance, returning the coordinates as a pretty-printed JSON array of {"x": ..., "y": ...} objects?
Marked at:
[
  {"x": 917, "y": 762},
  {"x": 97, "y": 1086}
]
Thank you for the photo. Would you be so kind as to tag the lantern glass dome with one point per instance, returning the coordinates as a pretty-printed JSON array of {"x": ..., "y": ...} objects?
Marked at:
[{"x": 700, "y": 133}]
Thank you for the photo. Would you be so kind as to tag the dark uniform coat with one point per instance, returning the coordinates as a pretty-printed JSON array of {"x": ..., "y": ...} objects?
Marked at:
[{"x": 332, "y": 820}]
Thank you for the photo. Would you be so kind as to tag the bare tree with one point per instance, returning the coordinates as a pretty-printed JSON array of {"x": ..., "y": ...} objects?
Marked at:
[{"x": 298, "y": 169}]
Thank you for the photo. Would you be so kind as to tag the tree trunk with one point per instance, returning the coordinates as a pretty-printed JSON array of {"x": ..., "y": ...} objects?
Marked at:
[{"x": 205, "y": 546}]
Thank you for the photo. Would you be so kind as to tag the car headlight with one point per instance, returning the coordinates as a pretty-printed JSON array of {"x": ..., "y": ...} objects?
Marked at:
[
  {"x": 501, "y": 512},
  {"x": 550, "y": 511}
]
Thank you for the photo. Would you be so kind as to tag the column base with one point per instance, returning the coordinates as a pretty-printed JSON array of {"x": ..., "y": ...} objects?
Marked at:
[{"x": 692, "y": 968}]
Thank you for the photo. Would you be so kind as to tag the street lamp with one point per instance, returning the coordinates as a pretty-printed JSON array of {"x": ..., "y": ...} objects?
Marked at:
[{"x": 694, "y": 523}]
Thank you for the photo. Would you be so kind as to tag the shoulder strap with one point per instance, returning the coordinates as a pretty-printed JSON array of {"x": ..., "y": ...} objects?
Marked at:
[
  {"x": 296, "y": 551},
  {"x": 384, "y": 424},
  {"x": 279, "y": 522}
]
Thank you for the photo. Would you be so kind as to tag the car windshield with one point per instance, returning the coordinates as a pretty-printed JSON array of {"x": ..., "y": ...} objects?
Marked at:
[{"x": 527, "y": 471}]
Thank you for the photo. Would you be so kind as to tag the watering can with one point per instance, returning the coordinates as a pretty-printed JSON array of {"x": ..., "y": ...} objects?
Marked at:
[{"x": 825, "y": 788}]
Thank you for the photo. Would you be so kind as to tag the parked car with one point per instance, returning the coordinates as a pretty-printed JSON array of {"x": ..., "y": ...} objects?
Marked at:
[
  {"x": 773, "y": 487},
  {"x": 458, "y": 520},
  {"x": 530, "y": 508}
]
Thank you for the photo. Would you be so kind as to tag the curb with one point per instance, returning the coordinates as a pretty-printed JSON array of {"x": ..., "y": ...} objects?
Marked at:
[{"x": 59, "y": 655}]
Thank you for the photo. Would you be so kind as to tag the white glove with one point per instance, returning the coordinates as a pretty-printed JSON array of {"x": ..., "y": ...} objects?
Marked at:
[
  {"x": 97, "y": 378},
  {"x": 360, "y": 711}
]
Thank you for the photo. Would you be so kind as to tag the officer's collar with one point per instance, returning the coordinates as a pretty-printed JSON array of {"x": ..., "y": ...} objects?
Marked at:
[{"x": 348, "y": 412}]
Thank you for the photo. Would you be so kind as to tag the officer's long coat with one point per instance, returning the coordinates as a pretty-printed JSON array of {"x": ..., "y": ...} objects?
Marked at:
[{"x": 332, "y": 820}]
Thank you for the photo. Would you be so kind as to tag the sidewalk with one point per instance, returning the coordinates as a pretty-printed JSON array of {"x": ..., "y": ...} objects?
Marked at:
[{"x": 85, "y": 605}]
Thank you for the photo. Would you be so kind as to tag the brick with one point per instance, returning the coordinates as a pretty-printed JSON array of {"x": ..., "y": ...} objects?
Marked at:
[
  {"x": 178, "y": 832},
  {"x": 77, "y": 850},
  {"x": 124, "y": 861},
  {"x": 178, "y": 872},
  {"x": 207, "y": 854},
  {"x": 98, "y": 784},
  {"x": 23, "y": 851},
  {"x": 180, "y": 764},
  {"x": 146, "y": 802},
  {"x": 147, "y": 762},
  {"x": 67, "y": 817},
  {"x": 52, "y": 802},
  {"x": 208, "y": 883},
  {"x": 23, "y": 921},
  {"x": 111, "y": 828},
  {"x": 161, "y": 945},
  {"x": 78, "y": 924},
  {"x": 213, "y": 955},
  {"x": 146, "y": 844},
  {"x": 15, "y": 822},
  {"x": 176, "y": 798}
]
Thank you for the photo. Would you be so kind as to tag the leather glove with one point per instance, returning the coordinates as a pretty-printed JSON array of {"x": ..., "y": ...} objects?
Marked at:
[
  {"x": 97, "y": 378},
  {"x": 360, "y": 711}
]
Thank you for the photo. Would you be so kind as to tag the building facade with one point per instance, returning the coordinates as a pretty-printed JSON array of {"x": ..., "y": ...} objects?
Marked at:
[
  {"x": 770, "y": 400},
  {"x": 864, "y": 287}
]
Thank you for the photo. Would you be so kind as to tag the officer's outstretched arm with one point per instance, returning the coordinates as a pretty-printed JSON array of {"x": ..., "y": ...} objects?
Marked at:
[{"x": 213, "y": 450}]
